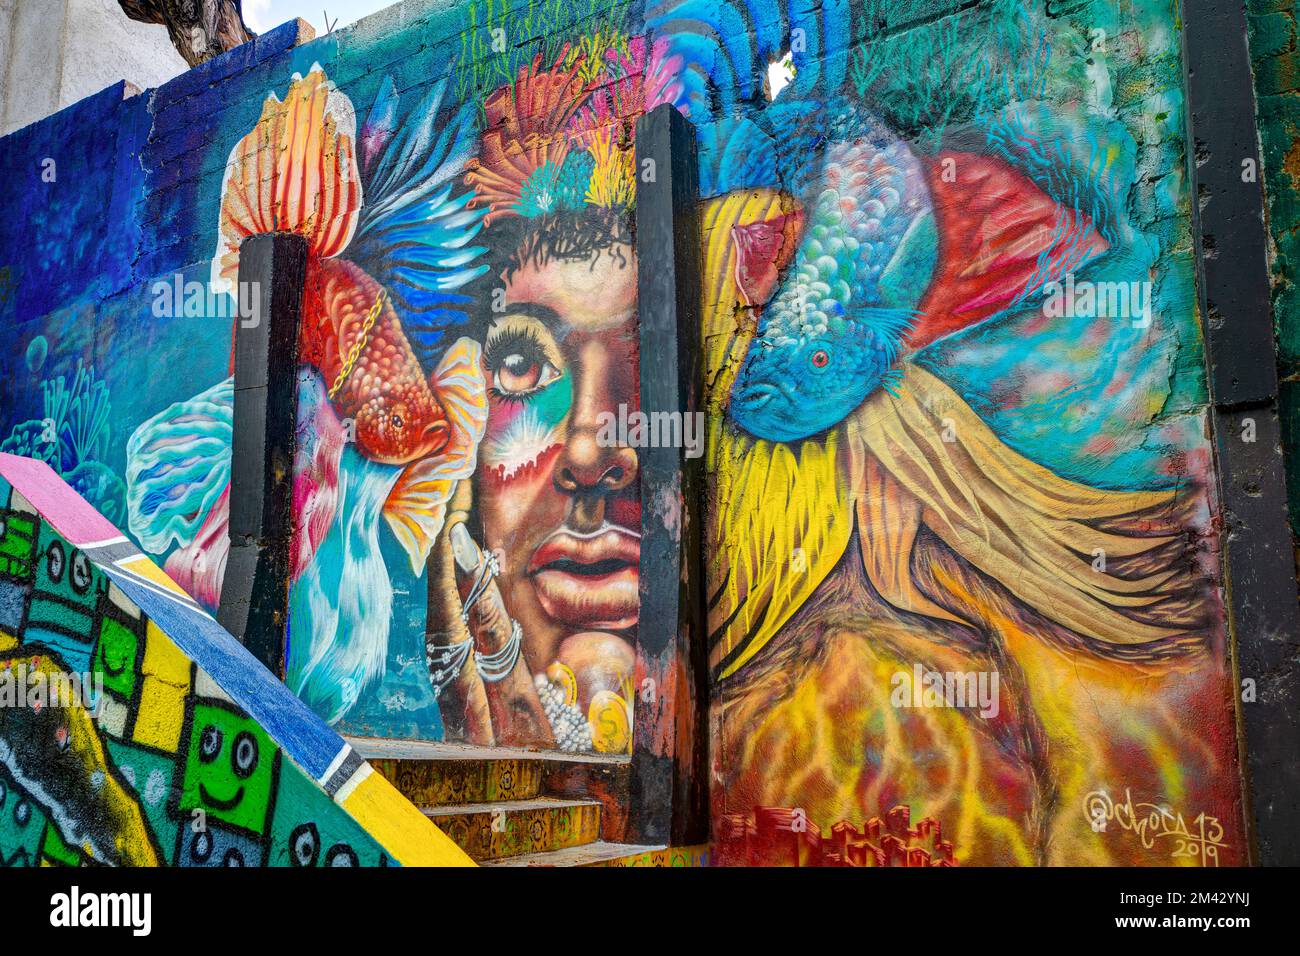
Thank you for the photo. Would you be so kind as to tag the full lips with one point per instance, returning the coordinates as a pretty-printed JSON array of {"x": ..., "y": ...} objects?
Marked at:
[{"x": 589, "y": 580}]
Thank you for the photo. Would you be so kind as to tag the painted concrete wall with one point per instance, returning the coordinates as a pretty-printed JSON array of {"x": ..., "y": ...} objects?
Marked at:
[
  {"x": 55, "y": 52},
  {"x": 956, "y": 419},
  {"x": 1277, "y": 93}
]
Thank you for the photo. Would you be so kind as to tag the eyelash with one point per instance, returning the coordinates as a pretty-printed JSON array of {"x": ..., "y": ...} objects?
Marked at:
[{"x": 495, "y": 350}]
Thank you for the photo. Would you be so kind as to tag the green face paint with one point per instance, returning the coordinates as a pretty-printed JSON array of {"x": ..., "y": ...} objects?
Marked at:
[
  {"x": 553, "y": 402},
  {"x": 230, "y": 768},
  {"x": 115, "y": 656},
  {"x": 521, "y": 429}
]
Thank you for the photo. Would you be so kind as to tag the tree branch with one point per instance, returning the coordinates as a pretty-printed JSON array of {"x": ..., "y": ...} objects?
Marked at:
[{"x": 199, "y": 29}]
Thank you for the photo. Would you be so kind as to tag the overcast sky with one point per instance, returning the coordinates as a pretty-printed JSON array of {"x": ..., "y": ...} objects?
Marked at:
[{"x": 263, "y": 15}]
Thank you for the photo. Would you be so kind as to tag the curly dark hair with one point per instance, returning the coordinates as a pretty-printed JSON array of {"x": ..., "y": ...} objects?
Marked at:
[{"x": 567, "y": 235}]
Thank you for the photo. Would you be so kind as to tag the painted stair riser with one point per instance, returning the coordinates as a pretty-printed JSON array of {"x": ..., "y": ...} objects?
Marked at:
[
  {"x": 438, "y": 783},
  {"x": 494, "y": 833},
  {"x": 679, "y": 857},
  {"x": 609, "y": 855}
]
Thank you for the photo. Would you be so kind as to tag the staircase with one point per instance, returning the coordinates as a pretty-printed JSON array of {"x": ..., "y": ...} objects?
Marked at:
[{"x": 509, "y": 807}]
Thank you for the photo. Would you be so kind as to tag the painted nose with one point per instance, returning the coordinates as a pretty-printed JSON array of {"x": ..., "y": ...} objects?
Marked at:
[{"x": 587, "y": 469}]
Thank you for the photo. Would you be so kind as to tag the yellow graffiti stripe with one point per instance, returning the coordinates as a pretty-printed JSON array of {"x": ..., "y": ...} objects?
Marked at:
[
  {"x": 399, "y": 826},
  {"x": 781, "y": 521},
  {"x": 142, "y": 567},
  {"x": 110, "y": 800}
]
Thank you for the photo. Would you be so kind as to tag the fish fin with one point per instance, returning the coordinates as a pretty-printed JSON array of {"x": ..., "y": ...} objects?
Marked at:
[
  {"x": 295, "y": 171},
  {"x": 888, "y": 522},
  {"x": 380, "y": 124},
  {"x": 415, "y": 511},
  {"x": 972, "y": 490},
  {"x": 891, "y": 381},
  {"x": 178, "y": 466},
  {"x": 461, "y": 388},
  {"x": 1001, "y": 237},
  {"x": 200, "y": 566},
  {"x": 891, "y": 325},
  {"x": 416, "y": 507},
  {"x": 763, "y": 250},
  {"x": 413, "y": 234},
  {"x": 783, "y": 521},
  {"x": 317, "y": 462}
]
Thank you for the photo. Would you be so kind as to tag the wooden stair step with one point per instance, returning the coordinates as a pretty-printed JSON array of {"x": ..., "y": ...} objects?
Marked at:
[
  {"x": 387, "y": 748},
  {"x": 434, "y": 783},
  {"x": 493, "y": 830},
  {"x": 599, "y": 853}
]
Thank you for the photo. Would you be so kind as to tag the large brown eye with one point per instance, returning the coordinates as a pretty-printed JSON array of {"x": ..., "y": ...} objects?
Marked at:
[
  {"x": 519, "y": 373},
  {"x": 521, "y": 359}
]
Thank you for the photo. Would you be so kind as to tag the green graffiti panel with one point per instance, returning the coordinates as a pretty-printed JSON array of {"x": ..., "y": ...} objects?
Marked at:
[{"x": 231, "y": 768}]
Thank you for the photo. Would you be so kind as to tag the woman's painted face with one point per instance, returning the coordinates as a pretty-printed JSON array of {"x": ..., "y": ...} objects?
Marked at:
[{"x": 562, "y": 512}]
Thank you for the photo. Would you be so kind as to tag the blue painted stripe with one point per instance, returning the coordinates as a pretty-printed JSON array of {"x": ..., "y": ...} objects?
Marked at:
[{"x": 307, "y": 739}]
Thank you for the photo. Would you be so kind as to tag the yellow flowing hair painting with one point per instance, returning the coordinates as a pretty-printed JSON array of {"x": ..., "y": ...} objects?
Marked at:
[{"x": 974, "y": 557}]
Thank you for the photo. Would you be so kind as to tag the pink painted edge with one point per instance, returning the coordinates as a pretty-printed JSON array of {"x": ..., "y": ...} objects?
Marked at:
[{"x": 55, "y": 500}]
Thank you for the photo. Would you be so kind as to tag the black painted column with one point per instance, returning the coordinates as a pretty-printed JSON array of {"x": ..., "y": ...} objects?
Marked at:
[
  {"x": 255, "y": 591},
  {"x": 1233, "y": 290},
  {"x": 668, "y": 787}
]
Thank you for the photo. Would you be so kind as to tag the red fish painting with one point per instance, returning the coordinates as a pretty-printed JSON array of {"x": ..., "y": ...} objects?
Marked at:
[{"x": 388, "y": 246}]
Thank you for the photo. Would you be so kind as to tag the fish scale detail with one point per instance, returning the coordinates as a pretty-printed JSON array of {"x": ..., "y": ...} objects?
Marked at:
[{"x": 833, "y": 328}]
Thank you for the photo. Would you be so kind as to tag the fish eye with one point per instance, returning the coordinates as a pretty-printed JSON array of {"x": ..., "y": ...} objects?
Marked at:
[
  {"x": 820, "y": 359},
  {"x": 396, "y": 420}
]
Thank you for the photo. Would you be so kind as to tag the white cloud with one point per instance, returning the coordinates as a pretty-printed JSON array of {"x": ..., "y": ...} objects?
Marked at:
[
  {"x": 257, "y": 14},
  {"x": 263, "y": 15}
]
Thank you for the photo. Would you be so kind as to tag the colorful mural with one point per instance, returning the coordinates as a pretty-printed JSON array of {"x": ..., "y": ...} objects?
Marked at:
[
  {"x": 117, "y": 748},
  {"x": 960, "y": 542},
  {"x": 394, "y": 236},
  {"x": 962, "y": 554}
]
